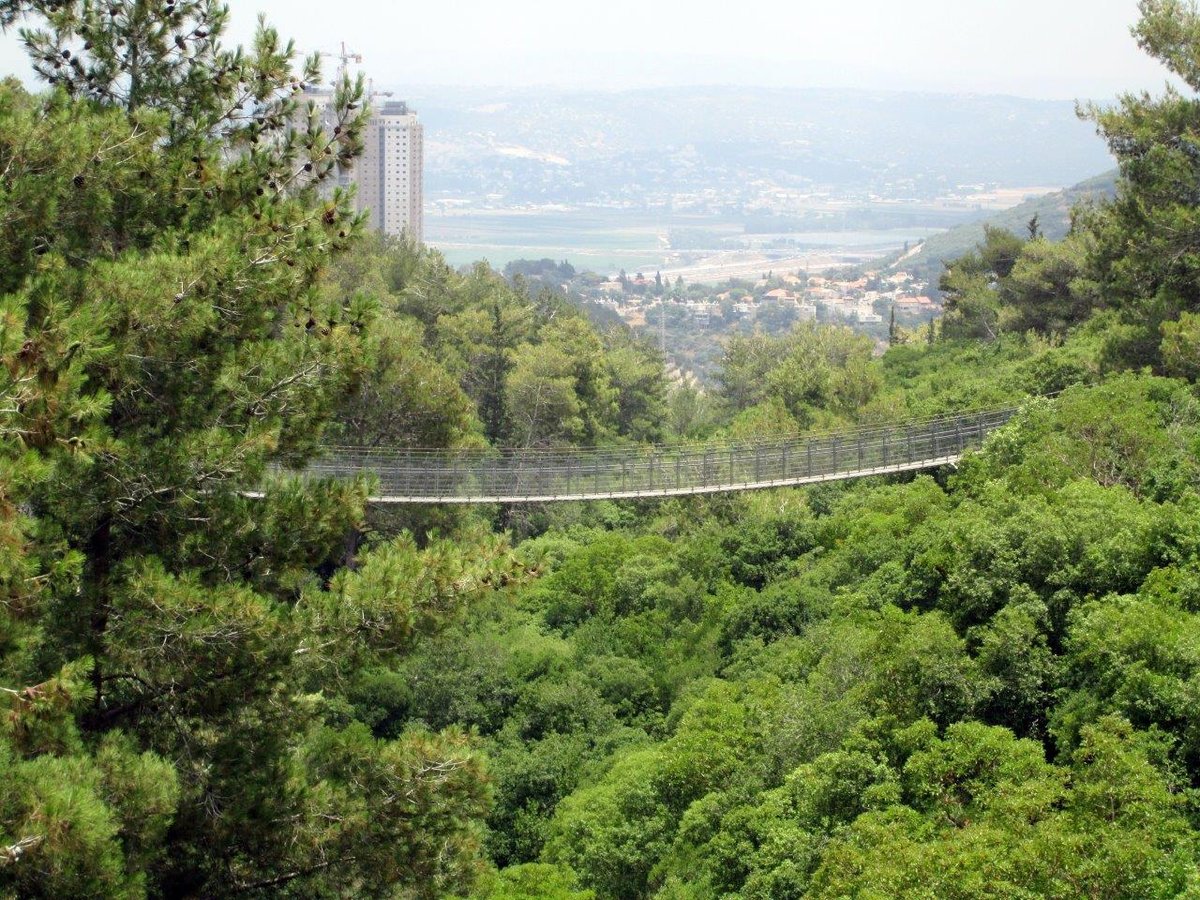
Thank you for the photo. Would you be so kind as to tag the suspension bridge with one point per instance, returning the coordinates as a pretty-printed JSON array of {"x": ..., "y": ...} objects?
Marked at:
[{"x": 626, "y": 473}]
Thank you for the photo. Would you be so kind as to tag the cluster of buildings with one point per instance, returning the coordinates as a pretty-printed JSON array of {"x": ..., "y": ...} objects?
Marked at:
[
  {"x": 858, "y": 300},
  {"x": 864, "y": 300},
  {"x": 390, "y": 173}
]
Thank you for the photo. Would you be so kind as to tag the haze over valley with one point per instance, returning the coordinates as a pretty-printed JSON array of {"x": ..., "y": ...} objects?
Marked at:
[{"x": 712, "y": 181}]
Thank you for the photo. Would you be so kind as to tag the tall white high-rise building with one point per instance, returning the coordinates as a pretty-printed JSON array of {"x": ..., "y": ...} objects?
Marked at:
[{"x": 390, "y": 172}]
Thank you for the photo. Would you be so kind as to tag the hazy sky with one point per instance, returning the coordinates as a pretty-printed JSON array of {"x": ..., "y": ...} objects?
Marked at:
[{"x": 1035, "y": 48}]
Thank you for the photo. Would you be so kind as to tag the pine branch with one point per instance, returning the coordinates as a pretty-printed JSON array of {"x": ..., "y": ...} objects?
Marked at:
[
  {"x": 14, "y": 852},
  {"x": 246, "y": 887}
]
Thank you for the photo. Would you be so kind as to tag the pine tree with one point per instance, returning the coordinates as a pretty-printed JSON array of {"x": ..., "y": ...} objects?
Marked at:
[
  {"x": 1145, "y": 249},
  {"x": 163, "y": 346}
]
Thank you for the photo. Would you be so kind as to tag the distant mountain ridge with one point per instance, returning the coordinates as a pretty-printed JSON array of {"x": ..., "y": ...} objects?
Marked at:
[{"x": 546, "y": 146}]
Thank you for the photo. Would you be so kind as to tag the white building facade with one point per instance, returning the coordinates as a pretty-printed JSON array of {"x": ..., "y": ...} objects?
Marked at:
[{"x": 390, "y": 172}]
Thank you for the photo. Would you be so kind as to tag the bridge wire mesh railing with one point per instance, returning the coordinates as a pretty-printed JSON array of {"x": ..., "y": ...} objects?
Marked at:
[{"x": 533, "y": 475}]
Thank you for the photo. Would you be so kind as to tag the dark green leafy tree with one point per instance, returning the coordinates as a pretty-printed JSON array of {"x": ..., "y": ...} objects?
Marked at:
[
  {"x": 987, "y": 816},
  {"x": 1007, "y": 284},
  {"x": 810, "y": 372},
  {"x": 635, "y": 371},
  {"x": 1181, "y": 347},
  {"x": 1049, "y": 289},
  {"x": 1147, "y": 237},
  {"x": 972, "y": 286}
]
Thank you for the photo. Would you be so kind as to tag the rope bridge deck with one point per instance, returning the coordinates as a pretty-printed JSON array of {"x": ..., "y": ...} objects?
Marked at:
[{"x": 548, "y": 476}]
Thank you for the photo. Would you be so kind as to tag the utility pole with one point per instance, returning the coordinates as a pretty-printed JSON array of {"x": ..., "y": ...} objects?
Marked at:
[{"x": 662, "y": 327}]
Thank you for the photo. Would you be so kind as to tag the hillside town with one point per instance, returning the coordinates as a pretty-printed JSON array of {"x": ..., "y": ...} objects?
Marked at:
[{"x": 860, "y": 301}]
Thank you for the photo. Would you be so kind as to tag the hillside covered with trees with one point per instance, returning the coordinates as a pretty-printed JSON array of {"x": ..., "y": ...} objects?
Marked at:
[
  {"x": 220, "y": 679},
  {"x": 1051, "y": 214}
]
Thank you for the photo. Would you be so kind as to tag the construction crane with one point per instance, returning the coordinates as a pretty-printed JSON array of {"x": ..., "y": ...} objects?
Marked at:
[{"x": 345, "y": 58}]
